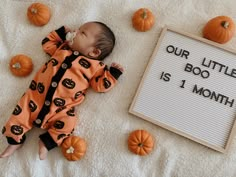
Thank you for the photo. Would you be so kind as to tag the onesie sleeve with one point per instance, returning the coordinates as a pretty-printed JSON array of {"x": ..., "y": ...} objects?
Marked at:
[
  {"x": 105, "y": 79},
  {"x": 53, "y": 40}
]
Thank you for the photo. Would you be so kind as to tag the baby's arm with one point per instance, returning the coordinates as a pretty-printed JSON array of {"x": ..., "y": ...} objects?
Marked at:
[
  {"x": 53, "y": 40},
  {"x": 104, "y": 79}
]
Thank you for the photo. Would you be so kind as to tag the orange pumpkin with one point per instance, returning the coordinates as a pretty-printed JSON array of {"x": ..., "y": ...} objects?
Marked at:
[
  {"x": 73, "y": 148},
  {"x": 140, "y": 142},
  {"x": 219, "y": 29},
  {"x": 21, "y": 65},
  {"x": 143, "y": 20},
  {"x": 38, "y": 14}
]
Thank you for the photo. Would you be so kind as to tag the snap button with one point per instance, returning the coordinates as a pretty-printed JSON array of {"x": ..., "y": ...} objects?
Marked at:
[
  {"x": 38, "y": 121},
  {"x": 76, "y": 53},
  {"x": 64, "y": 65},
  {"x": 47, "y": 103},
  {"x": 54, "y": 84}
]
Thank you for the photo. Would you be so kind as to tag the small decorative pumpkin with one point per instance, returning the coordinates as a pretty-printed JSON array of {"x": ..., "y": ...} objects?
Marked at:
[
  {"x": 21, "y": 65},
  {"x": 38, "y": 14},
  {"x": 73, "y": 148},
  {"x": 140, "y": 142},
  {"x": 219, "y": 29},
  {"x": 143, "y": 20}
]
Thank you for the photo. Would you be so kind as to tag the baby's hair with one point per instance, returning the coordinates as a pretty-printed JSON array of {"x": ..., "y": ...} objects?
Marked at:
[{"x": 106, "y": 41}]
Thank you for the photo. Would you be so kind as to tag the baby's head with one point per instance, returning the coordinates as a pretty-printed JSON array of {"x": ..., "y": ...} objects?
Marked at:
[{"x": 94, "y": 40}]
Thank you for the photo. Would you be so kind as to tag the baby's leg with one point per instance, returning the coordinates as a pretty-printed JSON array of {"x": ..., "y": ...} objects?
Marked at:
[
  {"x": 10, "y": 150},
  {"x": 42, "y": 151},
  {"x": 17, "y": 125},
  {"x": 61, "y": 127}
]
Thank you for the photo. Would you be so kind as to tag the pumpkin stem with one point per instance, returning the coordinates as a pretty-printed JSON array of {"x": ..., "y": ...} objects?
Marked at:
[
  {"x": 225, "y": 24},
  {"x": 140, "y": 144},
  {"x": 16, "y": 66},
  {"x": 70, "y": 150},
  {"x": 34, "y": 11},
  {"x": 144, "y": 14}
]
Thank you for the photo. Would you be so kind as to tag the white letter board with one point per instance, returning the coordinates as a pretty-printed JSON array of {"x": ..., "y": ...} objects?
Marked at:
[{"x": 189, "y": 87}]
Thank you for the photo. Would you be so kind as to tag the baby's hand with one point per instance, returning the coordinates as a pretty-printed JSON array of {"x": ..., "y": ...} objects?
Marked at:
[{"x": 117, "y": 66}]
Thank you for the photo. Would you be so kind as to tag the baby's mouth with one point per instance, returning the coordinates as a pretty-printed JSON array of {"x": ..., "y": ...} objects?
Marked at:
[{"x": 70, "y": 37}]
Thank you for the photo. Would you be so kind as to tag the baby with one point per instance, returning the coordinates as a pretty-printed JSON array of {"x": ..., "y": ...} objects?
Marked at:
[{"x": 61, "y": 84}]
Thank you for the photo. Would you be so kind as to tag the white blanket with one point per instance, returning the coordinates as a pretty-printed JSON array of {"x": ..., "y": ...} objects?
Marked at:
[{"x": 104, "y": 119}]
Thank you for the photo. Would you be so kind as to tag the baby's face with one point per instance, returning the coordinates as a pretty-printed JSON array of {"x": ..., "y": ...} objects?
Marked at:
[{"x": 85, "y": 38}]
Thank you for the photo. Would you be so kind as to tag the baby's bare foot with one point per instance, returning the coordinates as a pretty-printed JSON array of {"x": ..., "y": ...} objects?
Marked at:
[
  {"x": 42, "y": 151},
  {"x": 10, "y": 150}
]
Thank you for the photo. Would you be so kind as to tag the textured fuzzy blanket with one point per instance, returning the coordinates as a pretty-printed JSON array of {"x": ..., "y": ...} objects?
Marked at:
[{"x": 104, "y": 119}]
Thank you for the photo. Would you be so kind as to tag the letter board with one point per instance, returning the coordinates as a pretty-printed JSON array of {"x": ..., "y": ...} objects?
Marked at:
[{"x": 189, "y": 87}]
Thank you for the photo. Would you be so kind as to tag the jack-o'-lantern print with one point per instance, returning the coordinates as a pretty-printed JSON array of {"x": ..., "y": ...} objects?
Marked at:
[
  {"x": 97, "y": 78},
  {"x": 45, "y": 40},
  {"x": 60, "y": 109},
  {"x": 71, "y": 112},
  {"x": 3, "y": 130},
  {"x": 32, "y": 106},
  {"x": 16, "y": 129},
  {"x": 59, "y": 102},
  {"x": 77, "y": 94},
  {"x": 72, "y": 131},
  {"x": 106, "y": 83},
  {"x": 61, "y": 136},
  {"x": 40, "y": 87},
  {"x": 101, "y": 63},
  {"x": 68, "y": 83},
  {"x": 84, "y": 63},
  {"x": 59, "y": 124},
  {"x": 54, "y": 61},
  {"x": 33, "y": 85},
  {"x": 17, "y": 110}
]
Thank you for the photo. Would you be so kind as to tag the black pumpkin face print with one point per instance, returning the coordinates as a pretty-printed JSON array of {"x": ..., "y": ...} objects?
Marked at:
[
  {"x": 45, "y": 40},
  {"x": 101, "y": 63},
  {"x": 59, "y": 124},
  {"x": 59, "y": 102},
  {"x": 97, "y": 78},
  {"x": 54, "y": 61},
  {"x": 77, "y": 94},
  {"x": 61, "y": 136},
  {"x": 60, "y": 109},
  {"x": 33, "y": 85},
  {"x": 40, "y": 87},
  {"x": 16, "y": 129},
  {"x": 72, "y": 131},
  {"x": 17, "y": 110},
  {"x": 32, "y": 106},
  {"x": 71, "y": 112},
  {"x": 84, "y": 63},
  {"x": 3, "y": 130},
  {"x": 106, "y": 83},
  {"x": 68, "y": 83}
]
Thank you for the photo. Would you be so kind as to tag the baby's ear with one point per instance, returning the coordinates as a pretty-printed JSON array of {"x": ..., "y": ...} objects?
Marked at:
[{"x": 95, "y": 53}]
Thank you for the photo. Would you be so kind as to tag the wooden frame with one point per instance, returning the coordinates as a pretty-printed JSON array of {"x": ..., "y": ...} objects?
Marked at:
[{"x": 232, "y": 127}]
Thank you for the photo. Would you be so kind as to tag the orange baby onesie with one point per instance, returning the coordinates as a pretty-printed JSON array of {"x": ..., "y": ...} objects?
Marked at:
[{"x": 56, "y": 89}]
